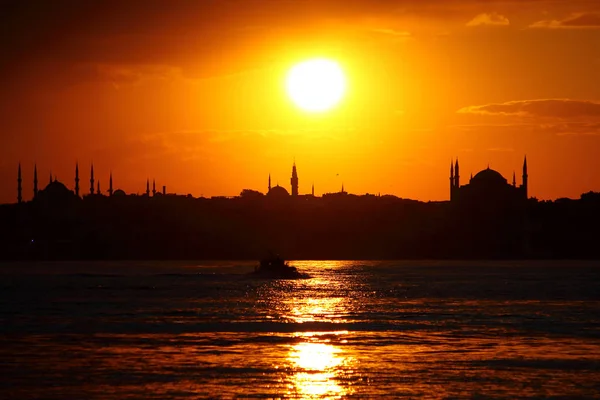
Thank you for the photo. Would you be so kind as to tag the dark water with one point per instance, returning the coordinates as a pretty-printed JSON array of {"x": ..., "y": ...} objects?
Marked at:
[{"x": 356, "y": 329}]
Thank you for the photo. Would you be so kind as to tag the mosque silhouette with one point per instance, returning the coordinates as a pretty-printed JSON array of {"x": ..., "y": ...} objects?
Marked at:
[
  {"x": 486, "y": 217},
  {"x": 487, "y": 186}
]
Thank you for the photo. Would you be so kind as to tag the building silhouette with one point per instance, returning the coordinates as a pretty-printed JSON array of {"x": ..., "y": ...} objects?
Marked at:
[
  {"x": 488, "y": 217},
  {"x": 19, "y": 187},
  {"x": 56, "y": 191},
  {"x": 294, "y": 180},
  {"x": 76, "y": 179},
  {"x": 35, "y": 181},
  {"x": 281, "y": 192},
  {"x": 487, "y": 187},
  {"x": 92, "y": 179}
]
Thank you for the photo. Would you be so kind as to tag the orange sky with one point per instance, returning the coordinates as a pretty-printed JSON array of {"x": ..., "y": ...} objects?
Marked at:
[{"x": 192, "y": 93}]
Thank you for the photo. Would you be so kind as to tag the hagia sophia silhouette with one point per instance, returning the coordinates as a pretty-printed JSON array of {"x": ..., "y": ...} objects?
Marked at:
[{"x": 487, "y": 185}]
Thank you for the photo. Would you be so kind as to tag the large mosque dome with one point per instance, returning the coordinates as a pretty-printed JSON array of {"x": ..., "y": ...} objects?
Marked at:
[
  {"x": 488, "y": 187},
  {"x": 489, "y": 176},
  {"x": 55, "y": 192},
  {"x": 278, "y": 191}
]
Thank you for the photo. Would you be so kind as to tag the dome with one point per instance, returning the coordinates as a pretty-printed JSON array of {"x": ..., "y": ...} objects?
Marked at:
[
  {"x": 56, "y": 188},
  {"x": 488, "y": 176},
  {"x": 278, "y": 191},
  {"x": 56, "y": 192},
  {"x": 119, "y": 192}
]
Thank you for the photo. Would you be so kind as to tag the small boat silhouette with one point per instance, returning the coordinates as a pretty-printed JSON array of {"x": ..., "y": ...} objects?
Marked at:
[{"x": 275, "y": 267}]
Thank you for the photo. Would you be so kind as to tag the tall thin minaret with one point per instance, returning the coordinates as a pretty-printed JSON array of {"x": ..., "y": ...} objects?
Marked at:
[
  {"x": 313, "y": 189},
  {"x": 148, "y": 187},
  {"x": 269, "y": 182},
  {"x": 294, "y": 180},
  {"x": 92, "y": 180},
  {"x": 77, "y": 179},
  {"x": 525, "y": 178},
  {"x": 110, "y": 187},
  {"x": 343, "y": 188},
  {"x": 514, "y": 179},
  {"x": 98, "y": 188},
  {"x": 153, "y": 187},
  {"x": 451, "y": 179},
  {"x": 456, "y": 175},
  {"x": 19, "y": 187},
  {"x": 35, "y": 181},
  {"x": 50, "y": 177}
]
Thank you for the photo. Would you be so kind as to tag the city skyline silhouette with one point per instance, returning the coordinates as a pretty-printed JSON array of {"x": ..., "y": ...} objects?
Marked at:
[
  {"x": 303, "y": 199},
  {"x": 156, "y": 91},
  {"x": 485, "y": 216},
  {"x": 487, "y": 178}
]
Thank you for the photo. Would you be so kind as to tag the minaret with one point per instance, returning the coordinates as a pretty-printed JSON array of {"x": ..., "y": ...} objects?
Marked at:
[
  {"x": 294, "y": 180},
  {"x": 269, "y": 182},
  {"x": 451, "y": 179},
  {"x": 153, "y": 187},
  {"x": 98, "y": 188},
  {"x": 313, "y": 190},
  {"x": 342, "y": 188},
  {"x": 19, "y": 187},
  {"x": 92, "y": 180},
  {"x": 35, "y": 181},
  {"x": 525, "y": 178},
  {"x": 514, "y": 179},
  {"x": 77, "y": 179},
  {"x": 110, "y": 187},
  {"x": 148, "y": 187},
  {"x": 456, "y": 175},
  {"x": 50, "y": 177}
]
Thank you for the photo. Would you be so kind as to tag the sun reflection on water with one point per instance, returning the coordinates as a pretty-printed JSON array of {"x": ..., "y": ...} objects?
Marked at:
[
  {"x": 317, "y": 365},
  {"x": 315, "y": 309},
  {"x": 323, "y": 305}
]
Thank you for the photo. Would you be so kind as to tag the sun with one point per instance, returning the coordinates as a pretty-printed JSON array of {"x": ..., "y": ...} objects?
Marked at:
[{"x": 316, "y": 85}]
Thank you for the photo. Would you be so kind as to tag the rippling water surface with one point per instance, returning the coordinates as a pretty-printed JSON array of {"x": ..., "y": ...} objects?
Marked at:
[{"x": 355, "y": 329}]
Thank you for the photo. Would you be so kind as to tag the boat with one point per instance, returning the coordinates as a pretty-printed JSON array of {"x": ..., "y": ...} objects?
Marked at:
[{"x": 275, "y": 267}]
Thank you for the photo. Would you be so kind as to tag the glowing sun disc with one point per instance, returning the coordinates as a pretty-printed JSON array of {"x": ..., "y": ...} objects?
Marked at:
[{"x": 316, "y": 85}]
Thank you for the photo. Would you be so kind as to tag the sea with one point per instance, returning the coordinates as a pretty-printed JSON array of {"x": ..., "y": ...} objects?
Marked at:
[{"x": 354, "y": 329}]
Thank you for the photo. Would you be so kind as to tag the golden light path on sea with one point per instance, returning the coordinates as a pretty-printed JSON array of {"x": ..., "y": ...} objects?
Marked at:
[{"x": 318, "y": 361}]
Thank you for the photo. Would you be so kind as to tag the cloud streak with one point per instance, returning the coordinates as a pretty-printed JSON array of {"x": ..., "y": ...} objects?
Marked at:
[
  {"x": 179, "y": 32},
  {"x": 546, "y": 108},
  {"x": 572, "y": 129},
  {"x": 491, "y": 19},
  {"x": 575, "y": 21},
  {"x": 562, "y": 128}
]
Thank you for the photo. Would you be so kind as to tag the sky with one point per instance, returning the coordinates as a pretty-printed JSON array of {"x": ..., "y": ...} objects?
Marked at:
[{"x": 192, "y": 94}]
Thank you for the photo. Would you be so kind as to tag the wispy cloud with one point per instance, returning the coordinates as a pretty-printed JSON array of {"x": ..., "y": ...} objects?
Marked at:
[
  {"x": 489, "y": 19},
  {"x": 554, "y": 108},
  {"x": 575, "y": 21},
  {"x": 562, "y": 128},
  {"x": 572, "y": 129},
  {"x": 131, "y": 74}
]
